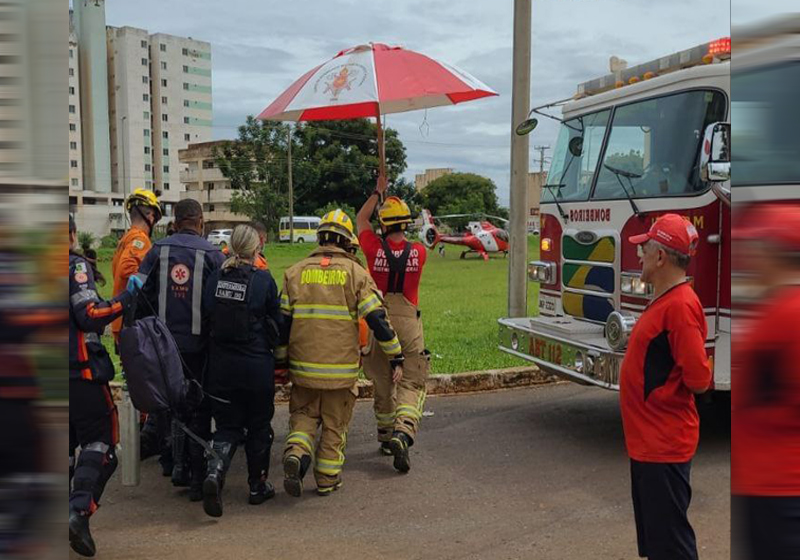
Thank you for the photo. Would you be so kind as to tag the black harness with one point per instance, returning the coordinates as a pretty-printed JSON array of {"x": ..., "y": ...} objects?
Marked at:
[{"x": 397, "y": 267}]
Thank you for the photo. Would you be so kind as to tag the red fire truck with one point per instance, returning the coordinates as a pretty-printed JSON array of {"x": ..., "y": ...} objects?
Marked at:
[{"x": 634, "y": 144}]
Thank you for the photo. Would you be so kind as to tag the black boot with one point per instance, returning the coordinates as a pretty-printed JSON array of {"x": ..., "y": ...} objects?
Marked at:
[
  {"x": 199, "y": 468},
  {"x": 294, "y": 470},
  {"x": 180, "y": 470},
  {"x": 80, "y": 538},
  {"x": 211, "y": 491},
  {"x": 399, "y": 444},
  {"x": 260, "y": 492},
  {"x": 385, "y": 449}
]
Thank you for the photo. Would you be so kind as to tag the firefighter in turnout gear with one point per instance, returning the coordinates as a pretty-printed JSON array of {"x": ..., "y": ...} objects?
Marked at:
[
  {"x": 396, "y": 266},
  {"x": 241, "y": 306},
  {"x": 176, "y": 270},
  {"x": 323, "y": 297},
  {"x": 93, "y": 423}
]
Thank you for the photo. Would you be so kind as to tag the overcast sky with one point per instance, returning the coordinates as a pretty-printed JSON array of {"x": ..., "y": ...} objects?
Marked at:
[{"x": 261, "y": 47}]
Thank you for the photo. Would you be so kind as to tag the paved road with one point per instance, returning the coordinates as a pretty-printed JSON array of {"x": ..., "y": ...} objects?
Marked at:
[{"x": 531, "y": 473}]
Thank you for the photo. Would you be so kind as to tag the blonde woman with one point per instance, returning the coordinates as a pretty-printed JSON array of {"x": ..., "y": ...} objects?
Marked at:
[{"x": 241, "y": 306}]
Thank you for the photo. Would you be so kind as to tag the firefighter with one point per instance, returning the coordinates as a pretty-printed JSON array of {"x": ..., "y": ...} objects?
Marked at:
[
  {"x": 93, "y": 422},
  {"x": 396, "y": 265},
  {"x": 176, "y": 270},
  {"x": 145, "y": 211},
  {"x": 260, "y": 261},
  {"x": 665, "y": 365},
  {"x": 242, "y": 308},
  {"x": 323, "y": 297},
  {"x": 765, "y": 425}
]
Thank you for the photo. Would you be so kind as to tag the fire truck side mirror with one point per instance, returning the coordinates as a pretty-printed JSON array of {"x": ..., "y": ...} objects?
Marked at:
[{"x": 715, "y": 159}]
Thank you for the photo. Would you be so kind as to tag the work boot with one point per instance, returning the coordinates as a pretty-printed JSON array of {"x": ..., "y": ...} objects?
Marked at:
[
  {"x": 328, "y": 489},
  {"x": 385, "y": 449},
  {"x": 399, "y": 444},
  {"x": 80, "y": 538},
  {"x": 180, "y": 459},
  {"x": 211, "y": 489},
  {"x": 260, "y": 492},
  {"x": 180, "y": 475},
  {"x": 294, "y": 470}
]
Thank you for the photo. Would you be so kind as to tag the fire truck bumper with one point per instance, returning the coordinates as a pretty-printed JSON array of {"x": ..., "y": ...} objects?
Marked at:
[{"x": 573, "y": 349}]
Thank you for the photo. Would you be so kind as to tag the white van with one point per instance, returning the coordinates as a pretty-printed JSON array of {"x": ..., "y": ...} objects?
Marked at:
[{"x": 305, "y": 229}]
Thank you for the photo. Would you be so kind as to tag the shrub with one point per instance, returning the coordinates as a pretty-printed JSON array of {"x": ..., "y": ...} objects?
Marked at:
[{"x": 108, "y": 242}]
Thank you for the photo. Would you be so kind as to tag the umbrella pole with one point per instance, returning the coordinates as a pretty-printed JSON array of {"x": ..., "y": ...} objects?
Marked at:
[{"x": 381, "y": 153}]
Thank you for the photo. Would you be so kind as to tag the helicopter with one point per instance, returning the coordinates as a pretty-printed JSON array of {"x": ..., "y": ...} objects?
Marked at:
[{"x": 480, "y": 237}]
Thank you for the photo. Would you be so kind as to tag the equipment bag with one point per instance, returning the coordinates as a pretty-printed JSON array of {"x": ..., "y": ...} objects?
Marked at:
[
  {"x": 152, "y": 363},
  {"x": 154, "y": 370}
]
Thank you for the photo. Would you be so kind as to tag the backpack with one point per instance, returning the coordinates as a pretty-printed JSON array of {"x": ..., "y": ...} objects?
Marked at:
[{"x": 152, "y": 363}]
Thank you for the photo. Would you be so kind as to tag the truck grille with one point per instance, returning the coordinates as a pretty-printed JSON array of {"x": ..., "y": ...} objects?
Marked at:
[{"x": 588, "y": 288}]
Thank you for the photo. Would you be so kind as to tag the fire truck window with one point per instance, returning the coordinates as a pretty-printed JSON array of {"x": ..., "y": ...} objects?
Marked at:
[
  {"x": 765, "y": 117},
  {"x": 653, "y": 148},
  {"x": 572, "y": 171}
]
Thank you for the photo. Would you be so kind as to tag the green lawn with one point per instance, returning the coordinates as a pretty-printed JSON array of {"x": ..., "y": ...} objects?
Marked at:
[{"x": 460, "y": 300}]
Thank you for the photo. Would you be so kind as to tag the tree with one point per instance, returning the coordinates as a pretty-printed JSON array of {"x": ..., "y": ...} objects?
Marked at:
[
  {"x": 256, "y": 165},
  {"x": 460, "y": 193},
  {"x": 332, "y": 162},
  {"x": 86, "y": 240}
]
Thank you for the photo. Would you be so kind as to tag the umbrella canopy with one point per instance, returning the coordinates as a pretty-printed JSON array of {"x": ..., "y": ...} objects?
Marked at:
[{"x": 371, "y": 80}]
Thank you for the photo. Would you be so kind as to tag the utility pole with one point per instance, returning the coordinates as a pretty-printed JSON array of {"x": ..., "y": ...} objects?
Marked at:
[
  {"x": 125, "y": 222},
  {"x": 541, "y": 150},
  {"x": 291, "y": 187},
  {"x": 520, "y": 103}
]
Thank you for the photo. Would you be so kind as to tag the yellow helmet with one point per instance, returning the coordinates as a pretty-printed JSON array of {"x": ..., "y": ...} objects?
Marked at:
[
  {"x": 338, "y": 222},
  {"x": 394, "y": 211},
  {"x": 146, "y": 198}
]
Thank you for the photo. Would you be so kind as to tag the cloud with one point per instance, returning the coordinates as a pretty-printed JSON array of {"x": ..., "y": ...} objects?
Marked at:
[{"x": 260, "y": 48}]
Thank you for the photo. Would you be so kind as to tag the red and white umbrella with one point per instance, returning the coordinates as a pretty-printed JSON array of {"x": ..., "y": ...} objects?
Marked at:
[{"x": 373, "y": 80}]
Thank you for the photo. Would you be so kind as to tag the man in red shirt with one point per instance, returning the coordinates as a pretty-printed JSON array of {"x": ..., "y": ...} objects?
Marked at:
[
  {"x": 664, "y": 366},
  {"x": 765, "y": 415},
  {"x": 396, "y": 266}
]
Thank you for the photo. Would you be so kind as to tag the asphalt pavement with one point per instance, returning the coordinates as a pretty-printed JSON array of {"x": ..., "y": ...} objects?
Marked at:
[{"x": 537, "y": 473}]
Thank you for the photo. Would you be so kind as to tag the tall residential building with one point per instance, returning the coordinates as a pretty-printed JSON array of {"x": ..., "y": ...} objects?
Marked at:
[
  {"x": 90, "y": 26},
  {"x": 181, "y": 106},
  {"x": 74, "y": 100},
  {"x": 160, "y": 92},
  {"x": 423, "y": 179},
  {"x": 206, "y": 184},
  {"x": 157, "y": 95}
]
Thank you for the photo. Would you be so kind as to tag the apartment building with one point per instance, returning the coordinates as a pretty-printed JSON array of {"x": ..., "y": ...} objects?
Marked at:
[
  {"x": 205, "y": 183},
  {"x": 422, "y": 180}
]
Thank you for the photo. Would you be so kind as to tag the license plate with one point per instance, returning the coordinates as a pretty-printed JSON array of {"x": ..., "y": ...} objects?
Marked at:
[
  {"x": 552, "y": 352},
  {"x": 547, "y": 304}
]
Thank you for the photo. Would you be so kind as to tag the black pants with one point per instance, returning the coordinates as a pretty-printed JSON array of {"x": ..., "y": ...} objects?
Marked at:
[
  {"x": 766, "y": 528},
  {"x": 198, "y": 420},
  {"x": 94, "y": 426},
  {"x": 249, "y": 384},
  {"x": 661, "y": 497}
]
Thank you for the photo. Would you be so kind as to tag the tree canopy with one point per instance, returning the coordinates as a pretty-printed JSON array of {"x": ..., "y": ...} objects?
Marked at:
[
  {"x": 332, "y": 162},
  {"x": 461, "y": 193}
]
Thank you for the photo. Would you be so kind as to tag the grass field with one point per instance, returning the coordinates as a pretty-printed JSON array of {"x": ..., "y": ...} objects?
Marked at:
[{"x": 460, "y": 300}]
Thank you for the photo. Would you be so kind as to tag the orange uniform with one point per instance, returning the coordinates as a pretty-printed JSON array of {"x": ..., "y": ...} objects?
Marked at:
[
  {"x": 131, "y": 249},
  {"x": 260, "y": 262}
]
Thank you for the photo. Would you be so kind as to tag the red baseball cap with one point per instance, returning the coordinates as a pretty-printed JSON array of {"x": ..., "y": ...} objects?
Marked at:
[
  {"x": 673, "y": 231},
  {"x": 776, "y": 222}
]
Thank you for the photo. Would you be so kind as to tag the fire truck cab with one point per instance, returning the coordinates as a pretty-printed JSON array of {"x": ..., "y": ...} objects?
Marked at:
[{"x": 633, "y": 145}]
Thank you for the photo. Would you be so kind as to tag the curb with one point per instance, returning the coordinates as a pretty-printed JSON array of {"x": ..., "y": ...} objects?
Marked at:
[{"x": 444, "y": 384}]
